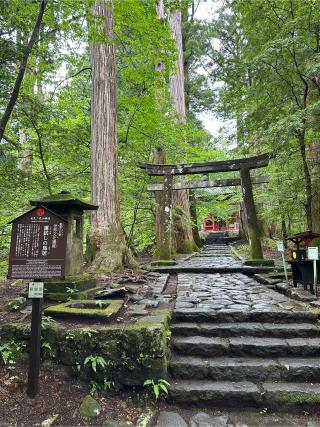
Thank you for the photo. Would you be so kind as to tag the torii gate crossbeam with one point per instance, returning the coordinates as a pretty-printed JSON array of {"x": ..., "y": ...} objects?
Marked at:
[{"x": 243, "y": 165}]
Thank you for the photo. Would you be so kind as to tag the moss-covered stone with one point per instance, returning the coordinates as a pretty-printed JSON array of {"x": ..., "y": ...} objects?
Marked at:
[
  {"x": 187, "y": 247},
  {"x": 132, "y": 352},
  {"x": 163, "y": 262},
  {"x": 80, "y": 283},
  {"x": 263, "y": 262},
  {"x": 89, "y": 408},
  {"x": 105, "y": 309},
  {"x": 66, "y": 296}
]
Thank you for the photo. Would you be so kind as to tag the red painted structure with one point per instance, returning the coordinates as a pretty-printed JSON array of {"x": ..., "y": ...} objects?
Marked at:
[{"x": 212, "y": 224}]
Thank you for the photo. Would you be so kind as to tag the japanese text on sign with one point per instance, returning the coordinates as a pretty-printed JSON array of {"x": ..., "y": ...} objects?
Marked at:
[
  {"x": 35, "y": 290},
  {"x": 38, "y": 245}
]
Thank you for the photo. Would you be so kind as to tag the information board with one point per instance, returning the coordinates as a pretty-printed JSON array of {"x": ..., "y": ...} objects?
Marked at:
[
  {"x": 280, "y": 246},
  {"x": 313, "y": 253},
  {"x": 38, "y": 245}
]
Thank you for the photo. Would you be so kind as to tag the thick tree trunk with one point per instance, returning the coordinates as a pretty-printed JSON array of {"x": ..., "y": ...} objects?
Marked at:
[
  {"x": 307, "y": 179},
  {"x": 107, "y": 243},
  {"x": 253, "y": 227},
  {"x": 183, "y": 235},
  {"x": 22, "y": 68},
  {"x": 284, "y": 232},
  {"x": 313, "y": 155}
]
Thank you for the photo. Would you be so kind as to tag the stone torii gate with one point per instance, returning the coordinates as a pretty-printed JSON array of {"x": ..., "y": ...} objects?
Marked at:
[{"x": 242, "y": 165}]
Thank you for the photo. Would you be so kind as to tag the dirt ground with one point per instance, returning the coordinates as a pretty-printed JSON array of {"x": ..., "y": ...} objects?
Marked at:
[{"x": 60, "y": 394}]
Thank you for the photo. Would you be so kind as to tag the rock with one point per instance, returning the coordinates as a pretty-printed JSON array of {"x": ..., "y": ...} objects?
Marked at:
[
  {"x": 115, "y": 423},
  {"x": 167, "y": 419},
  {"x": 89, "y": 407},
  {"x": 138, "y": 310},
  {"x": 16, "y": 304},
  {"x": 149, "y": 303},
  {"x": 146, "y": 418},
  {"x": 204, "y": 420},
  {"x": 111, "y": 293},
  {"x": 49, "y": 421}
]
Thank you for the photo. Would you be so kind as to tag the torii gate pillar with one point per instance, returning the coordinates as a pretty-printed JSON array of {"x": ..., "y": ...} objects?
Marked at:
[
  {"x": 164, "y": 245},
  {"x": 252, "y": 220}
]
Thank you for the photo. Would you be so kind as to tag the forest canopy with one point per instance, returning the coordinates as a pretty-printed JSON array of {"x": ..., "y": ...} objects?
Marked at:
[{"x": 255, "y": 63}]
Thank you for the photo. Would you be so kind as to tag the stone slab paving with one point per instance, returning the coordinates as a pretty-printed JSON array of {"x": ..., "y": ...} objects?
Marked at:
[
  {"x": 237, "y": 292},
  {"x": 179, "y": 418}
]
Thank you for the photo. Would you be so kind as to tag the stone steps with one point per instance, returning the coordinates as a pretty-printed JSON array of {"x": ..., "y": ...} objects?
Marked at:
[
  {"x": 230, "y": 315},
  {"x": 257, "y": 329},
  {"x": 246, "y": 346},
  {"x": 253, "y": 348},
  {"x": 245, "y": 369},
  {"x": 282, "y": 395}
]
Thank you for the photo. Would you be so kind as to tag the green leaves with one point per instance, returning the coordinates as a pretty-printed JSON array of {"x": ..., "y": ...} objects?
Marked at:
[
  {"x": 157, "y": 387},
  {"x": 95, "y": 361}
]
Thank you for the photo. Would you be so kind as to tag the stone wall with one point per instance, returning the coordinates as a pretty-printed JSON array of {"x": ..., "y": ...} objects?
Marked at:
[{"x": 129, "y": 353}]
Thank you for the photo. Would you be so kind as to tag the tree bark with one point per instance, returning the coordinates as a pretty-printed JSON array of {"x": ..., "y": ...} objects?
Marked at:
[
  {"x": 307, "y": 179},
  {"x": 107, "y": 242},
  {"x": 313, "y": 154},
  {"x": 22, "y": 68},
  {"x": 253, "y": 227},
  {"x": 183, "y": 235}
]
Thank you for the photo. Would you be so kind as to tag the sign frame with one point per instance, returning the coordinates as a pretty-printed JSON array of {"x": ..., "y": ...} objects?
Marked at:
[
  {"x": 38, "y": 245},
  {"x": 35, "y": 242}
]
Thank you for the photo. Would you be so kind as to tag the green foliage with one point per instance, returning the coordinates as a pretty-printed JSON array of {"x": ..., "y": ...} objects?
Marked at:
[
  {"x": 158, "y": 388},
  {"x": 47, "y": 322},
  {"x": 10, "y": 351},
  {"x": 100, "y": 387},
  {"x": 95, "y": 361}
]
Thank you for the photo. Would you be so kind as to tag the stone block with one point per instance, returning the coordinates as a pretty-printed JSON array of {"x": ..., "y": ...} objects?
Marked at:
[{"x": 105, "y": 309}]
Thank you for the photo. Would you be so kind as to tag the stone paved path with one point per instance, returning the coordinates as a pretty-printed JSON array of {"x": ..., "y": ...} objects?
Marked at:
[
  {"x": 213, "y": 258},
  {"x": 174, "y": 418},
  {"x": 221, "y": 292},
  {"x": 237, "y": 343}
]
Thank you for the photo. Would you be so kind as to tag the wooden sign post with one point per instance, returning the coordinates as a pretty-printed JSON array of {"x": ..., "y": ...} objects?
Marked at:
[
  {"x": 38, "y": 251},
  {"x": 35, "y": 292}
]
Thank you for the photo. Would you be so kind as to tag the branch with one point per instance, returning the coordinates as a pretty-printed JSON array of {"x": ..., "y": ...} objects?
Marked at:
[
  {"x": 11, "y": 141},
  {"x": 69, "y": 77},
  {"x": 39, "y": 136},
  {"x": 16, "y": 89}
]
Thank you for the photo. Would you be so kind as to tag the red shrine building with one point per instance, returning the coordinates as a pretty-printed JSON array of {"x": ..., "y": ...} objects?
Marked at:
[{"x": 212, "y": 224}]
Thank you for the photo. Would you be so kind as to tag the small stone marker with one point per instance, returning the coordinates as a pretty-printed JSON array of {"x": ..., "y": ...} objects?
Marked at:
[{"x": 280, "y": 247}]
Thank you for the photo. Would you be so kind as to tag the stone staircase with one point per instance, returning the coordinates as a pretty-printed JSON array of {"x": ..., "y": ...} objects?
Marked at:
[{"x": 259, "y": 359}]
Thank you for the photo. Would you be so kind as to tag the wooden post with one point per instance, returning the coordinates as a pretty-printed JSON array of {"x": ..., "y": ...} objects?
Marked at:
[
  {"x": 253, "y": 228},
  {"x": 35, "y": 344},
  {"x": 165, "y": 238},
  {"x": 194, "y": 219}
]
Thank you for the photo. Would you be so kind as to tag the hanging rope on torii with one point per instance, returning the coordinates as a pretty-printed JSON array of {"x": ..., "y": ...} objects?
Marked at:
[{"x": 242, "y": 165}]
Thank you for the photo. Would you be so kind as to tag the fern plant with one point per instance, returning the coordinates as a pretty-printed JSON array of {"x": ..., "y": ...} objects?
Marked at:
[{"x": 158, "y": 388}]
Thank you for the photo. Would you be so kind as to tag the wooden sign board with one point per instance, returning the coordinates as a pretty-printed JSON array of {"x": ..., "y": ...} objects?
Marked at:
[{"x": 38, "y": 245}]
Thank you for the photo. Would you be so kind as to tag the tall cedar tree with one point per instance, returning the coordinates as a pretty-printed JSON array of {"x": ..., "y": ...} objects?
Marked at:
[{"x": 108, "y": 249}]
